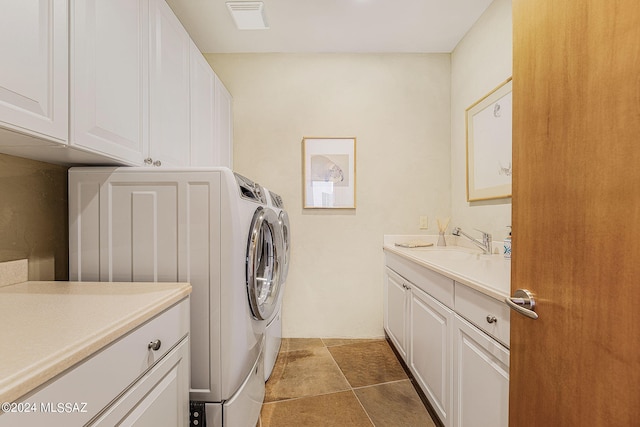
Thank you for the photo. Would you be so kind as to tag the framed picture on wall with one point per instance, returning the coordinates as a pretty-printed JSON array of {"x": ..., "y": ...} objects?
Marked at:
[
  {"x": 489, "y": 165},
  {"x": 329, "y": 173}
]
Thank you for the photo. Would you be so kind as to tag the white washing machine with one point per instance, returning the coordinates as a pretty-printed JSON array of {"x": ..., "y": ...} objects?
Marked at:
[
  {"x": 206, "y": 226},
  {"x": 273, "y": 331}
]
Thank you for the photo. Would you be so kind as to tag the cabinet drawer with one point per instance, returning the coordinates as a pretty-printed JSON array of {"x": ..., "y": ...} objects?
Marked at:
[
  {"x": 161, "y": 397},
  {"x": 102, "y": 377},
  {"x": 476, "y": 307},
  {"x": 438, "y": 286}
]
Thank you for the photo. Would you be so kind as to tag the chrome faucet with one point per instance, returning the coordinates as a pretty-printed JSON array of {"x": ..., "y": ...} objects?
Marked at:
[{"x": 485, "y": 245}]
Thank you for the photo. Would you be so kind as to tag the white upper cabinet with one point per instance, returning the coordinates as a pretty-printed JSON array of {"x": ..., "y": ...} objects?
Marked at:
[
  {"x": 34, "y": 73},
  {"x": 109, "y": 84},
  {"x": 203, "y": 80},
  {"x": 119, "y": 81},
  {"x": 169, "y": 88},
  {"x": 224, "y": 125},
  {"x": 211, "y": 116}
]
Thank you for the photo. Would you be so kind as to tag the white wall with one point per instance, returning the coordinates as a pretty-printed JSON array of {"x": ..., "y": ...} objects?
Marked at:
[
  {"x": 481, "y": 61},
  {"x": 398, "y": 108}
]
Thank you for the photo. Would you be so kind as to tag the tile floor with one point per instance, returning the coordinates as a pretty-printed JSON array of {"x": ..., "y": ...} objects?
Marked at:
[{"x": 329, "y": 382}]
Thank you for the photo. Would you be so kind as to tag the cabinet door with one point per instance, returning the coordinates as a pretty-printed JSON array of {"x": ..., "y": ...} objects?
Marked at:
[
  {"x": 169, "y": 91},
  {"x": 109, "y": 60},
  {"x": 34, "y": 73},
  {"x": 224, "y": 125},
  {"x": 395, "y": 309},
  {"x": 431, "y": 338},
  {"x": 481, "y": 376},
  {"x": 143, "y": 233},
  {"x": 160, "y": 398},
  {"x": 203, "y": 138}
]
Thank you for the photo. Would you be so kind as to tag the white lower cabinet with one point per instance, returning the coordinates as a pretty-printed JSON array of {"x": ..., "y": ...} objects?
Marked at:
[
  {"x": 126, "y": 383},
  {"x": 421, "y": 329},
  {"x": 396, "y": 310},
  {"x": 156, "y": 399},
  {"x": 431, "y": 333},
  {"x": 481, "y": 378},
  {"x": 450, "y": 337}
]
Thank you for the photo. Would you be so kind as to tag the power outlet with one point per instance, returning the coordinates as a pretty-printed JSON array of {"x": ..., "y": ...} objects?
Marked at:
[{"x": 424, "y": 222}]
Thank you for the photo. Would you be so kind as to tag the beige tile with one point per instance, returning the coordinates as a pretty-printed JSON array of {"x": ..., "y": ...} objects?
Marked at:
[
  {"x": 332, "y": 342},
  {"x": 303, "y": 373},
  {"x": 329, "y": 410},
  {"x": 368, "y": 363},
  {"x": 394, "y": 404},
  {"x": 34, "y": 216},
  {"x": 293, "y": 344}
]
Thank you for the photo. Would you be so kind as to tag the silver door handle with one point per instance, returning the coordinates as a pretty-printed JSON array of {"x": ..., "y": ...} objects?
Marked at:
[{"x": 523, "y": 302}]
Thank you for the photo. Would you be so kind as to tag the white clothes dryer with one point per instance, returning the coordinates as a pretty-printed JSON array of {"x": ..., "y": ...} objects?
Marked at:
[
  {"x": 206, "y": 226},
  {"x": 273, "y": 331}
]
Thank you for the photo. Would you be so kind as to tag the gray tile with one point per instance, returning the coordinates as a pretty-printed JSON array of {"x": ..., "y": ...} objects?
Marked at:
[
  {"x": 368, "y": 363},
  {"x": 394, "y": 404},
  {"x": 328, "y": 410},
  {"x": 332, "y": 342},
  {"x": 302, "y": 373},
  {"x": 293, "y": 344}
]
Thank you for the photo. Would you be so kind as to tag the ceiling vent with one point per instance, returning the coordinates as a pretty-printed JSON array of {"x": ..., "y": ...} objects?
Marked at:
[{"x": 248, "y": 15}]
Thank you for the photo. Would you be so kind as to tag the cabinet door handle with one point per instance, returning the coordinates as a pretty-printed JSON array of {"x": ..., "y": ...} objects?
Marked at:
[
  {"x": 148, "y": 161},
  {"x": 154, "y": 345},
  {"x": 491, "y": 319},
  {"x": 157, "y": 163}
]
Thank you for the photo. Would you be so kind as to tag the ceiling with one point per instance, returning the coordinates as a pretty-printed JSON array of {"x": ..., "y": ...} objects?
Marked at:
[{"x": 312, "y": 26}]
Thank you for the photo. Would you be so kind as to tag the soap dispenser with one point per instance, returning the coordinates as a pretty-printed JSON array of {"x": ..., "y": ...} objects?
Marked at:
[{"x": 507, "y": 245}]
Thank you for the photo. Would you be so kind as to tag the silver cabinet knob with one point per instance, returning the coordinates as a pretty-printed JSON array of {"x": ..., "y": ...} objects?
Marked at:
[
  {"x": 491, "y": 319},
  {"x": 157, "y": 163},
  {"x": 148, "y": 161},
  {"x": 154, "y": 345}
]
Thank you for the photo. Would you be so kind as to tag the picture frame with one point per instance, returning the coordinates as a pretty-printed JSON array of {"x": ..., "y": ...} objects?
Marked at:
[
  {"x": 329, "y": 172},
  {"x": 489, "y": 137}
]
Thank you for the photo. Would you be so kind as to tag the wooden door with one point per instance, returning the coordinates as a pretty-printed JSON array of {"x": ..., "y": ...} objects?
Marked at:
[{"x": 576, "y": 213}]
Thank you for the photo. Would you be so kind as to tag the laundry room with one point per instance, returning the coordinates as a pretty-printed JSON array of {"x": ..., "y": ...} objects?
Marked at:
[{"x": 270, "y": 213}]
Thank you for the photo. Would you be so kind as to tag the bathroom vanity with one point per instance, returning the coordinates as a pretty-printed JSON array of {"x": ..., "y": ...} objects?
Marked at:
[{"x": 444, "y": 312}]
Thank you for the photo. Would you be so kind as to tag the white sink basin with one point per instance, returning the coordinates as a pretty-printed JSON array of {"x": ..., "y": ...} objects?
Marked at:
[
  {"x": 453, "y": 254},
  {"x": 444, "y": 254}
]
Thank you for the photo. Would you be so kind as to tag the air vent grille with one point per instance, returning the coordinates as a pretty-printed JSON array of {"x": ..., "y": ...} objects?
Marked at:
[{"x": 248, "y": 15}]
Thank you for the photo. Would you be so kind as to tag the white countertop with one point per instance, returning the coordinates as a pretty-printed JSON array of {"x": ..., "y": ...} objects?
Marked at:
[
  {"x": 47, "y": 327},
  {"x": 489, "y": 274}
]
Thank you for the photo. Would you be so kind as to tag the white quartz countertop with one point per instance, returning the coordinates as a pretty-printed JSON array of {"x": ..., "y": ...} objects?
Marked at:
[
  {"x": 47, "y": 327},
  {"x": 488, "y": 274}
]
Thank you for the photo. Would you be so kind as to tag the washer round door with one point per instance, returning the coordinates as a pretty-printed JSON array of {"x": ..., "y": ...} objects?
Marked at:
[
  {"x": 283, "y": 219},
  {"x": 264, "y": 260}
]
